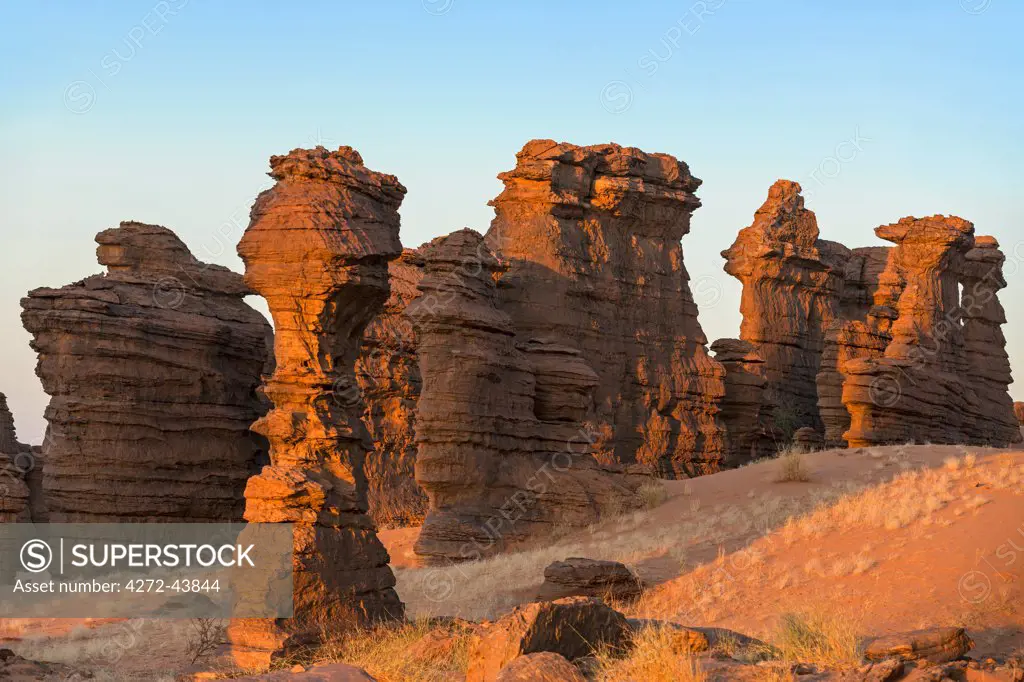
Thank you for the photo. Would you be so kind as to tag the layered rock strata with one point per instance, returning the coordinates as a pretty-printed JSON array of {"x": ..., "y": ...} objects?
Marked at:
[
  {"x": 502, "y": 454},
  {"x": 919, "y": 388},
  {"x": 793, "y": 285},
  {"x": 744, "y": 410},
  {"x": 317, "y": 249},
  {"x": 989, "y": 366},
  {"x": 152, "y": 369},
  {"x": 592, "y": 237},
  {"x": 388, "y": 376}
]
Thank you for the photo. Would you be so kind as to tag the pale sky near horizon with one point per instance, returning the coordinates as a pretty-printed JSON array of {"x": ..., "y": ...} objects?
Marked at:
[{"x": 166, "y": 112}]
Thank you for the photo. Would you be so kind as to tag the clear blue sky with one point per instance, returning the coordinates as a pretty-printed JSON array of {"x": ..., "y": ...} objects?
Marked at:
[{"x": 166, "y": 112}]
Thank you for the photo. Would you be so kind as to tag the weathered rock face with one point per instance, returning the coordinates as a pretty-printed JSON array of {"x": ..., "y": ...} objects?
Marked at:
[
  {"x": 1018, "y": 409},
  {"x": 502, "y": 455},
  {"x": 918, "y": 389},
  {"x": 389, "y": 379},
  {"x": 152, "y": 370},
  {"x": 16, "y": 461},
  {"x": 592, "y": 237},
  {"x": 744, "y": 410},
  {"x": 317, "y": 250},
  {"x": 983, "y": 316},
  {"x": 793, "y": 286}
]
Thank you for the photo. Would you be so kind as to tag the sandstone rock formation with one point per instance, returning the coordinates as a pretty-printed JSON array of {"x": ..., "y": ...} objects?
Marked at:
[
  {"x": 502, "y": 455},
  {"x": 989, "y": 366},
  {"x": 16, "y": 463},
  {"x": 580, "y": 577},
  {"x": 152, "y": 369},
  {"x": 592, "y": 236},
  {"x": 389, "y": 378},
  {"x": 919, "y": 388},
  {"x": 792, "y": 292},
  {"x": 745, "y": 412},
  {"x": 317, "y": 249},
  {"x": 1018, "y": 409},
  {"x": 571, "y": 627}
]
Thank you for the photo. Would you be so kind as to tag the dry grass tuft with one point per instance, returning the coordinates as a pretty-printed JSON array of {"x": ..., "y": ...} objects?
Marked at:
[
  {"x": 792, "y": 467},
  {"x": 421, "y": 651},
  {"x": 655, "y": 656},
  {"x": 826, "y": 638}
]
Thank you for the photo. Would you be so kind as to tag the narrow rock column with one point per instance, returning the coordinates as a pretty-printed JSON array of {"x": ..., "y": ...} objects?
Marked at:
[
  {"x": 14, "y": 492},
  {"x": 982, "y": 278},
  {"x": 317, "y": 249},
  {"x": 792, "y": 288}
]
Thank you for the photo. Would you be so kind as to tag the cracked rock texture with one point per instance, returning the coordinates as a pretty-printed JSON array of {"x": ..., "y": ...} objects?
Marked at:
[
  {"x": 592, "y": 240},
  {"x": 153, "y": 370},
  {"x": 317, "y": 249}
]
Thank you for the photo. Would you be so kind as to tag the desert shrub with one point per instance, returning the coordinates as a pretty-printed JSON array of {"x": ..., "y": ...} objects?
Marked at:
[
  {"x": 792, "y": 467},
  {"x": 653, "y": 494},
  {"x": 204, "y": 636}
]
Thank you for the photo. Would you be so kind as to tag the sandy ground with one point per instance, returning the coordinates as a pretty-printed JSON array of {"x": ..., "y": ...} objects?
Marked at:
[{"x": 892, "y": 538}]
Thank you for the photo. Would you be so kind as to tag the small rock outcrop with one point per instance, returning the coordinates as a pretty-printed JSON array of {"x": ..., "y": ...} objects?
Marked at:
[
  {"x": 592, "y": 239},
  {"x": 16, "y": 463},
  {"x": 540, "y": 667},
  {"x": 995, "y": 422},
  {"x": 502, "y": 455},
  {"x": 317, "y": 249},
  {"x": 579, "y": 577},
  {"x": 571, "y": 627},
  {"x": 745, "y": 413},
  {"x": 919, "y": 388},
  {"x": 792, "y": 291},
  {"x": 937, "y": 645},
  {"x": 388, "y": 376},
  {"x": 807, "y": 439},
  {"x": 153, "y": 370}
]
